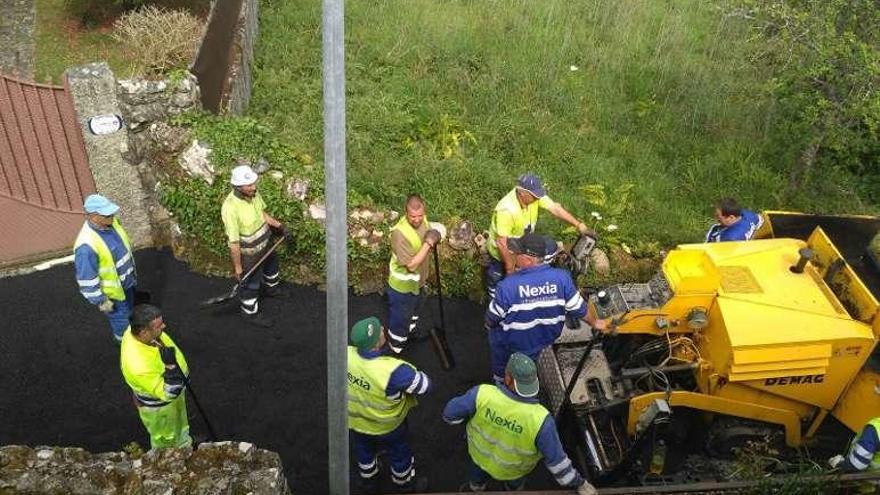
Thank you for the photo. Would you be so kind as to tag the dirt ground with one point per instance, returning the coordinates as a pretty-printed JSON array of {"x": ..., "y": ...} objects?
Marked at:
[{"x": 61, "y": 383}]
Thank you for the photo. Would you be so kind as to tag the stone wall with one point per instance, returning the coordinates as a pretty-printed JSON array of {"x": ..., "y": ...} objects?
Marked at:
[
  {"x": 121, "y": 161},
  {"x": 17, "y": 38},
  {"x": 225, "y": 467},
  {"x": 94, "y": 92},
  {"x": 241, "y": 80}
]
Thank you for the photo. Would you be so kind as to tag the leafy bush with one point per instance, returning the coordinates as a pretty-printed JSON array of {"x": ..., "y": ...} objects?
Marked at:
[
  {"x": 158, "y": 39},
  {"x": 823, "y": 58}
]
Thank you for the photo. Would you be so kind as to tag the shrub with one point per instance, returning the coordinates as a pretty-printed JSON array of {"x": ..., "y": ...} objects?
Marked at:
[{"x": 158, "y": 39}]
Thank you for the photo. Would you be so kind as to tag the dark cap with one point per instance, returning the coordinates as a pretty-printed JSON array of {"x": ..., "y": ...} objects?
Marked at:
[
  {"x": 532, "y": 184},
  {"x": 529, "y": 244},
  {"x": 524, "y": 373}
]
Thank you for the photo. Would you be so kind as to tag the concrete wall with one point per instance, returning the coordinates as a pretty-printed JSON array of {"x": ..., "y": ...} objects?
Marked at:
[
  {"x": 241, "y": 79},
  {"x": 17, "y": 38}
]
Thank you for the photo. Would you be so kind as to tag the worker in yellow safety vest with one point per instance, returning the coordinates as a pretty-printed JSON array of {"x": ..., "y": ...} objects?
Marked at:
[
  {"x": 516, "y": 215},
  {"x": 104, "y": 263},
  {"x": 248, "y": 229},
  {"x": 509, "y": 431},
  {"x": 412, "y": 238},
  {"x": 864, "y": 451},
  {"x": 381, "y": 391},
  {"x": 155, "y": 369}
]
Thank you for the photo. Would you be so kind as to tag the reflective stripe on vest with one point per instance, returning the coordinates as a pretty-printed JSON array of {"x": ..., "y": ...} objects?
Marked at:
[
  {"x": 399, "y": 277},
  {"x": 111, "y": 285},
  {"x": 502, "y": 433},
  {"x": 369, "y": 410},
  {"x": 875, "y": 460},
  {"x": 142, "y": 368}
]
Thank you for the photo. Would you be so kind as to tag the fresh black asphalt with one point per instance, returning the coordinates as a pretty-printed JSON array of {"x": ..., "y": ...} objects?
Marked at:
[{"x": 60, "y": 382}]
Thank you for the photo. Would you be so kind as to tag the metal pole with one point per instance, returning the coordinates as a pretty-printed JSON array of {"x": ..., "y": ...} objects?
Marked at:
[{"x": 333, "y": 28}]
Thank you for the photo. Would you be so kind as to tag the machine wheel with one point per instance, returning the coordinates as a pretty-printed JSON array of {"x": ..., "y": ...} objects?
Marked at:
[{"x": 729, "y": 435}]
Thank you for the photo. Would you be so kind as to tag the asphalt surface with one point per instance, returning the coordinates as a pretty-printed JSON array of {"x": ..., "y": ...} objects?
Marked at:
[{"x": 60, "y": 382}]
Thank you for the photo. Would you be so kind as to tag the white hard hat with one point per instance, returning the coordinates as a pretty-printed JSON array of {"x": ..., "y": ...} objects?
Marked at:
[{"x": 243, "y": 175}]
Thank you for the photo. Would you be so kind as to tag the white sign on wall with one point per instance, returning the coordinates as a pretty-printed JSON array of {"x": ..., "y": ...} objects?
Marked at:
[{"x": 100, "y": 125}]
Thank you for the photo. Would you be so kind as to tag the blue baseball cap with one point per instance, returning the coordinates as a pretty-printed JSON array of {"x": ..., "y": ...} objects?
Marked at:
[
  {"x": 532, "y": 184},
  {"x": 551, "y": 249},
  {"x": 96, "y": 203}
]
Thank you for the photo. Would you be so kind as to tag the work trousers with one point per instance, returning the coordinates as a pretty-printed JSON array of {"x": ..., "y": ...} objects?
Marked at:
[
  {"x": 268, "y": 273},
  {"x": 500, "y": 351},
  {"x": 120, "y": 314},
  {"x": 479, "y": 479},
  {"x": 403, "y": 316},
  {"x": 494, "y": 273},
  {"x": 399, "y": 453},
  {"x": 167, "y": 425}
]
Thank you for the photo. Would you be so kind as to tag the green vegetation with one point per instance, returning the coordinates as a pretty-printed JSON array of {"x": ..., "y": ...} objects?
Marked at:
[
  {"x": 61, "y": 43},
  {"x": 75, "y": 32},
  {"x": 644, "y": 112}
]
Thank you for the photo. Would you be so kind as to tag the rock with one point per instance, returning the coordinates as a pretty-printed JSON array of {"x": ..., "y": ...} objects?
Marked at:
[
  {"x": 393, "y": 216},
  {"x": 480, "y": 242},
  {"x": 462, "y": 236},
  {"x": 297, "y": 189},
  {"x": 169, "y": 139},
  {"x": 45, "y": 454},
  {"x": 599, "y": 261},
  {"x": 195, "y": 160},
  {"x": 378, "y": 217},
  {"x": 276, "y": 174},
  {"x": 261, "y": 166},
  {"x": 361, "y": 233},
  {"x": 318, "y": 212}
]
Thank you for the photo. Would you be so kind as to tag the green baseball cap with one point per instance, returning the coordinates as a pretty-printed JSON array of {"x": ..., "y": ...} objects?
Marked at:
[
  {"x": 525, "y": 376},
  {"x": 365, "y": 333}
]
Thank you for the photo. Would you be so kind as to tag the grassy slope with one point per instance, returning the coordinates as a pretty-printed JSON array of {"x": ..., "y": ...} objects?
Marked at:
[
  {"x": 62, "y": 43},
  {"x": 664, "y": 97}
]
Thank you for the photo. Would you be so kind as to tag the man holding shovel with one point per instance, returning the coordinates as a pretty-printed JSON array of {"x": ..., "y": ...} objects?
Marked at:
[
  {"x": 156, "y": 370},
  {"x": 412, "y": 238},
  {"x": 248, "y": 228}
]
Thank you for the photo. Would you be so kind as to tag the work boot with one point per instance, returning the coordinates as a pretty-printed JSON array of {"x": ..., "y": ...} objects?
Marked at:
[
  {"x": 418, "y": 484},
  {"x": 258, "y": 319},
  {"x": 277, "y": 291},
  {"x": 470, "y": 487}
]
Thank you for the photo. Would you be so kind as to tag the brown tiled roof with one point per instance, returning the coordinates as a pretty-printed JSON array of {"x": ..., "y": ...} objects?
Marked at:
[{"x": 44, "y": 171}]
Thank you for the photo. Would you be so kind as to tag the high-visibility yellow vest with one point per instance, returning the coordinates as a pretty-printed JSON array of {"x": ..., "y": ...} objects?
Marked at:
[
  {"x": 502, "y": 433},
  {"x": 521, "y": 219},
  {"x": 111, "y": 286},
  {"x": 399, "y": 278},
  {"x": 142, "y": 368},
  {"x": 369, "y": 410}
]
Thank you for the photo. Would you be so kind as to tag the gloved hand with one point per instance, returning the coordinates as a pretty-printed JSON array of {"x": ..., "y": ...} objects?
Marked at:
[
  {"x": 106, "y": 306},
  {"x": 432, "y": 237},
  {"x": 587, "y": 489},
  {"x": 835, "y": 461},
  {"x": 280, "y": 230},
  {"x": 439, "y": 227},
  {"x": 167, "y": 355},
  {"x": 583, "y": 229}
]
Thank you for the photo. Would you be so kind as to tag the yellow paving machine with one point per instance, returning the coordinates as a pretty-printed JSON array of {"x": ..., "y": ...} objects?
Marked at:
[{"x": 768, "y": 336}]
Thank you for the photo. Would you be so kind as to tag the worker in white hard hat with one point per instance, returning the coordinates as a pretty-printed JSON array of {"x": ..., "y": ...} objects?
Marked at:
[{"x": 248, "y": 228}]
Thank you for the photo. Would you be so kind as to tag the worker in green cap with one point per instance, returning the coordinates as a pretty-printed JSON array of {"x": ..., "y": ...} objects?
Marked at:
[
  {"x": 381, "y": 390},
  {"x": 509, "y": 431}
]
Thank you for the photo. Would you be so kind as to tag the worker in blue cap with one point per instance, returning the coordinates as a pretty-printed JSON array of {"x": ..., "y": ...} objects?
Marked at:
[
  {"x": 515, "y": 216},
  {"x": 104, "y": 262}
]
